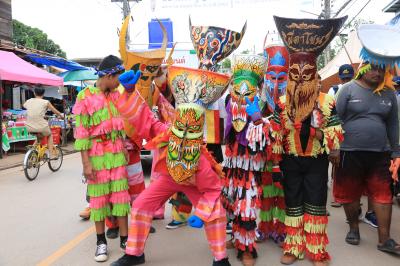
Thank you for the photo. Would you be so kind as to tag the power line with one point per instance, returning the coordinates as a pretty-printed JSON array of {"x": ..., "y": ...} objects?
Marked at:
[
  {"x": 349, "y": 23},
  {"x": 342, "y": 7}
]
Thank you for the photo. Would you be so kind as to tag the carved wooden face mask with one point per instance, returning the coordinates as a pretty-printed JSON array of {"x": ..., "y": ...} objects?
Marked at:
[
  {"x": 302, "y": 89},
  {"x": 185, "y": 142}
]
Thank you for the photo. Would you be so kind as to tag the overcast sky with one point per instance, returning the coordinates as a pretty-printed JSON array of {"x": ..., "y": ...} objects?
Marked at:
[{"x": 89, "y": 28}]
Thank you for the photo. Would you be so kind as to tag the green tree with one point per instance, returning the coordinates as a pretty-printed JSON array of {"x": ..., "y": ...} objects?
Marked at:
[
  {"x": 34, "y": 38},
  {"x": 226, "y": 63}
]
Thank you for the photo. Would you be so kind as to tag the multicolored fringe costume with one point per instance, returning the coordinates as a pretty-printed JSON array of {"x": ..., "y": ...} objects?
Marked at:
[
  {"x": 99, "y": 130},
  {"x": 272, "y": 211},
  {"x": 248, "y": 154},
  {"x": 203, "y": 188},
  {"x": 305, "y": 129}
]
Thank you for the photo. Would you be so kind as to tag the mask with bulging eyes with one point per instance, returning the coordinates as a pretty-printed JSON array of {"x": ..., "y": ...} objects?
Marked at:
[
  {"x": 248, "y": 71},
  {"x": 185, "y": 142},
  {"x": 302, "y": 88}
]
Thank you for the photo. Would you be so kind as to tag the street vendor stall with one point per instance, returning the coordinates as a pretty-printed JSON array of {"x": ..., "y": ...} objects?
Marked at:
[{"x": 15, "y": 70}]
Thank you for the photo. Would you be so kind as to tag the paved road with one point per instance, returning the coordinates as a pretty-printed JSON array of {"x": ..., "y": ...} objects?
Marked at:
[{"x": 39, "y": 224}]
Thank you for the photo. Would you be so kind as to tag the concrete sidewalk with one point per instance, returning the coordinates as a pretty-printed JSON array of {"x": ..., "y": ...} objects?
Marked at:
[{"x": 15, "y": 159}]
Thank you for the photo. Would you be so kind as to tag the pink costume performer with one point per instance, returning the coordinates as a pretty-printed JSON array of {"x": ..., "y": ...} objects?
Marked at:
[
  {"x": 184, "y": 164},
  {"x": 99, "y": 130}
]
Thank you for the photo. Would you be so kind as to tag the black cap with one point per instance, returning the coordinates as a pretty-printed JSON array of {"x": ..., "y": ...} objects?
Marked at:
[{"x": 346, "y": 71}]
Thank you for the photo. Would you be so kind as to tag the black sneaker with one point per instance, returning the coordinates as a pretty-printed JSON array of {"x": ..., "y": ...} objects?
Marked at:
[
  {"x": 122, "y": 244},
  {"x": 228, "y": 228},
  {"x": 112, "y": 233},
  {"x": 224, "y": 262},
  {"x": 128, "y": 260},
  {"x": 353, "y": 237},
  {"x": 101, "y": 254},
  {"x": 152, "y": 230}
]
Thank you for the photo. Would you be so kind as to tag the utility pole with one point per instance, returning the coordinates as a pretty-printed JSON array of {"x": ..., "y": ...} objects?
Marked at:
[
  {"x": 126, "y": 10},
  {"x": 327, "y": 14}
]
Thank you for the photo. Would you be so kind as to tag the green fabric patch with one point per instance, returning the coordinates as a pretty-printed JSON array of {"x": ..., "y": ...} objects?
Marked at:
[
  {"x": 121, "y": 209},
  {"x": 108, "y": 161},
  {"x": 98, "y": 215},
  {"x": 98, "y": 190},
  {"x": 279, "y": 214},
  {"x": 119, "y": 185},
  {"x": 83, "y": 144},
  {"x": 266, "y": 216}
]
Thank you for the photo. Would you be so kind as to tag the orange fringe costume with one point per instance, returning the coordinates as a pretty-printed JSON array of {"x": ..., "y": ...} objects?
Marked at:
[{"x": 203, "y": 189}]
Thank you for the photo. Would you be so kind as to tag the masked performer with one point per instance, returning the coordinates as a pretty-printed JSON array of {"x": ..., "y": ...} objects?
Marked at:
[
  {"x": 212, "y": 45},
  {"x": 306, "y": 129},
  {"x": 367, "y": 107},
  {"x": 272, "y": 213},
  {"x": 99, "y": 136},
  {"x": 184, "y": 163},
  {"x": 248, "y": 152},
  {"x": 148, "y": 62}
]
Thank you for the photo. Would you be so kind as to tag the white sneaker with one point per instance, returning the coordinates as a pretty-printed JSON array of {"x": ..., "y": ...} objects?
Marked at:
[{"x": 101, "y": 253}]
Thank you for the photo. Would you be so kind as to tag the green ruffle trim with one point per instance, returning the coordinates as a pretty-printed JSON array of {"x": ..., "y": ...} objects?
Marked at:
[
  {"x": 98, "y": 190},
  {"x": 121, "y": 209},
  {"x": 266, "y": 216},
  {"x": 272, "y": 191},
  {"x": 83, "y": 144},
  {"x": 98, "y": 215},
  {"x": 119, "y": 185},
  {"x": 279, "y": 214},
  {"x": 108, "y": 161},
  {"x": 82, "y": 120},
  {"x": 93, "y": 90}
]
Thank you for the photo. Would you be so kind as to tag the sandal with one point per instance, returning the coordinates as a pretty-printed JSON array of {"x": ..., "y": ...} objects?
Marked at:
[
  {"x": 353, "y": 237},
  {"x": 390, "y": 246}
]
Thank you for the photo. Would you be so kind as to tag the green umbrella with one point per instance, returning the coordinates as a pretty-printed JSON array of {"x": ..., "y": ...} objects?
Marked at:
[{"x": 79, "y": 75}]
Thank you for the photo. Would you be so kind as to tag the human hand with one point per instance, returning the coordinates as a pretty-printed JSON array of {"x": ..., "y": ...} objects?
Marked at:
[
  {"x": 394, "y": 168},
  {"x": 129, "y": 79},
  {"x": 126, "y": 154},
  {"x": 252, "y": 109},
  {"x": 195, "y": 221},
  {"x": 88, "y": 172},
  {"x": 334, "y": 157}
]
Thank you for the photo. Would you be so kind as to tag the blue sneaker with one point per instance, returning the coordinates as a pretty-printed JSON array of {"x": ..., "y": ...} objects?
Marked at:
[
  {"x": 370, "y": 218},
  {"x": 175, "y": 224}
]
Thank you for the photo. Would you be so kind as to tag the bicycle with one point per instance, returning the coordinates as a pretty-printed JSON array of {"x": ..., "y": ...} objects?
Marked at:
[{"x": 37, "y": 155}]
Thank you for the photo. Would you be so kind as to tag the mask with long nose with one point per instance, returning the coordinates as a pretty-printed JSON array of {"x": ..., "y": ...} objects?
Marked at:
[{"x": 275, "y": 80}]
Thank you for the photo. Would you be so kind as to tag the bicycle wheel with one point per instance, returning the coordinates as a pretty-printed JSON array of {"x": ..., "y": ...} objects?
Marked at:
[
  {"x": 31, "y": 164},
  {"x": 56, "y": 162}
]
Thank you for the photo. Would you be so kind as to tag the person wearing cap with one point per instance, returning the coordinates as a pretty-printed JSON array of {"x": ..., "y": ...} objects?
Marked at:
[
  {"x": 370, "y": 153},
  {"x": 346, "y": 74}
]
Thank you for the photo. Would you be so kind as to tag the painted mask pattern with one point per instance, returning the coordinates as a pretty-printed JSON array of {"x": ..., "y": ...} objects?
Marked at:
[
  {"x": 185, "y": 142},
  {"x": 213, "y": 44},
  {"x": 275, "y": 80},
  {"x": 248, "y": 71}
]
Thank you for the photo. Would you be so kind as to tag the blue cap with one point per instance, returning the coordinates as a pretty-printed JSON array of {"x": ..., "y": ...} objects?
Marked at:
[
  {"x": 396, "y": 80},
  {"x": 346, "y": 71}
]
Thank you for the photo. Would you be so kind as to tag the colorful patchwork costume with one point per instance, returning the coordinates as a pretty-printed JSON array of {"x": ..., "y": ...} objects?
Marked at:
[
  {"x": 300, "y": 117},
  {"x": 99, "y": 130},
  {"x": 212, "y": 45},
  {"x": 184, "y": 164},
  {"x": 272, "y": 211},
  {"x": 248, "y": 153}
]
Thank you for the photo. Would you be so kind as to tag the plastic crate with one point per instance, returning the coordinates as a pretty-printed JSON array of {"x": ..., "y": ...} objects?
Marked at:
[{"x": 56, "y": 133}]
